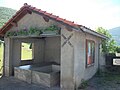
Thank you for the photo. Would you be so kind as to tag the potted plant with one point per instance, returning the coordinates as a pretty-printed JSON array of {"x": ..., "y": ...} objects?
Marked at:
[{"x": 118, "y": 51}]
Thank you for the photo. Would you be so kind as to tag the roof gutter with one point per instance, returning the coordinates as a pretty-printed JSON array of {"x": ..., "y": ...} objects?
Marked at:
[{"x": 87, "y": 30}]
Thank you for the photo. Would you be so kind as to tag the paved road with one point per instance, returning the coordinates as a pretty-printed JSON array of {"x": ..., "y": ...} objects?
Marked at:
[{"x": 14, "y": 84}]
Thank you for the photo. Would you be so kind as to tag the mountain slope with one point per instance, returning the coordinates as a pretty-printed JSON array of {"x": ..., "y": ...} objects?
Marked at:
[
  {"x": 5, "y": 15},
  {"x": 115, "y": 32}
]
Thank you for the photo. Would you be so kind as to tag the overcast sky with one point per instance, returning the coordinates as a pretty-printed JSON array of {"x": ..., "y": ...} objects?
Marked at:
[{"x": 91, "y": 13}]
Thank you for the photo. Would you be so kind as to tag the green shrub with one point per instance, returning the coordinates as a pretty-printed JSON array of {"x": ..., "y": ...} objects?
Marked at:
[
  {"x": 83, "y": 84},
  {"x": 118, "y": 49}
]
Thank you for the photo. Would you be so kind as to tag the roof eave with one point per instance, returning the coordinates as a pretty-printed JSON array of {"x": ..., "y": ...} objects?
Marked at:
[{"x": 93, "y": 33}]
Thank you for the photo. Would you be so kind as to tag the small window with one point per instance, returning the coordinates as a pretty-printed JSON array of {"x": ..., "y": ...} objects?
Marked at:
[
  {"x": 90, "y": 52},
  {"x": 26, "y": 51}
]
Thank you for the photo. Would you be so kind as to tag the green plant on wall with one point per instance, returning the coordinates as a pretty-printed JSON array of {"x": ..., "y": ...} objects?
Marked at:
[
  {"x": 33, "y": 31},
  {"x": 11, "y": 34},
  {"x": 22, "y": 33},
  {"x": 52, "y": 28}
]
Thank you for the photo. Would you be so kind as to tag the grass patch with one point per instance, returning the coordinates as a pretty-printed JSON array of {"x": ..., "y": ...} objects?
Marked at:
[
  {"x": 26, "y": 53},
  {"x": 106, "y": 78},
  {"x": 83, "y": 84},
  {"x": 1, "y": 57},
  {"x": 1, "y": 51}
]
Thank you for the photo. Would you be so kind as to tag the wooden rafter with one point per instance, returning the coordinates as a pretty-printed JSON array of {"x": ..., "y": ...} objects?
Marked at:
[
  {"x": 69, "y": 28},
  {"x": 14, "y": 23},
  {"x": 46, "y": 19}
]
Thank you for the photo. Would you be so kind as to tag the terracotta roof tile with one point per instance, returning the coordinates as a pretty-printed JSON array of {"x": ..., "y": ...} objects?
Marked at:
[
  {"x": 29, "y": 7},
  {"x": 60, "y": 19},
  {"x": 48, "y": 14},
  {"x": 53, "y": 16}
]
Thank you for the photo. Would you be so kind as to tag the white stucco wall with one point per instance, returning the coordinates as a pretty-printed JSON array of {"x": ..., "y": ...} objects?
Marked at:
[
  {"x": 92, "y": 70},
  {"x": 33, "y": 20},
  {"x": 67, "y": 60},
  {"x": 52, "y": 49},
  {"x": 38, "y": 50},
  {"x": 44, "y": 50},
  {"x": 79, "y": 58},
  {"x": 8, "y": 56},
  {"x": 80, "y": 70}
]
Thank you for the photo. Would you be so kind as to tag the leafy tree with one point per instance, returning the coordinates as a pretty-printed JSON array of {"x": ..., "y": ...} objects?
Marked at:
[{"x": 108, "y": 45}]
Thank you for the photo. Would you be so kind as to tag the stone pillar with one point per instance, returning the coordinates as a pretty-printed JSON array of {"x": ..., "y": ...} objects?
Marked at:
[
  {"x": 67, "y": 61},
  {"x": 8, "y": 57},
  {"x": 16, "y": 50}
]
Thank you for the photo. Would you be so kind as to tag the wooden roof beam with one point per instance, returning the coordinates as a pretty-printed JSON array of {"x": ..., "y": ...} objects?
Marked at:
[{"x": 14, "y": 23}]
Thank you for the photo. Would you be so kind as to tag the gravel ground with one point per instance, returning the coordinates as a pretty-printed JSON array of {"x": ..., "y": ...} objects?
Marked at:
[{"x": 10, "y": 83}]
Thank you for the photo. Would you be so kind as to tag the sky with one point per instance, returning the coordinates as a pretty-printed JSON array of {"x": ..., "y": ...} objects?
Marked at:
[{"x": 90, "y": 13}]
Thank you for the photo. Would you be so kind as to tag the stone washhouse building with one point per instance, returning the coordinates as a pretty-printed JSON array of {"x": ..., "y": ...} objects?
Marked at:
[{"x": 63, "y": 53}]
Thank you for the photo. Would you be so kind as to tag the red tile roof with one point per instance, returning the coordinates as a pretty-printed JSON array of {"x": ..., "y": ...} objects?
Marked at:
[{"x": 27, "y": 9}]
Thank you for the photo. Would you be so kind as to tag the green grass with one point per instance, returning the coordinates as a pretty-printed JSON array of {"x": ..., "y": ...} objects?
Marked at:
[
  {"x": 26, "y": 52},
  {"x": 108, "y": 78},
  {"x": 1, "y": 56},
  {"x": 1, "y": 52}
]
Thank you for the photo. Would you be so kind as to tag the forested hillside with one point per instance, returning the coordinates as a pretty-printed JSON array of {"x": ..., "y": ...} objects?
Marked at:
[
  {"x": 115, "y": 32},
  {"x": 5, "y": 15}
]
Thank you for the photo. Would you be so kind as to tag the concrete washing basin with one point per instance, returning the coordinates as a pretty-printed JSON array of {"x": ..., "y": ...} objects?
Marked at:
[{"x": 47, "y": 75}]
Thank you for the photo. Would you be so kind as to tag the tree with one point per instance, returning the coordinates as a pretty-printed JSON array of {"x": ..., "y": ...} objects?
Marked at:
[{"x": 108, "y": 45}]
